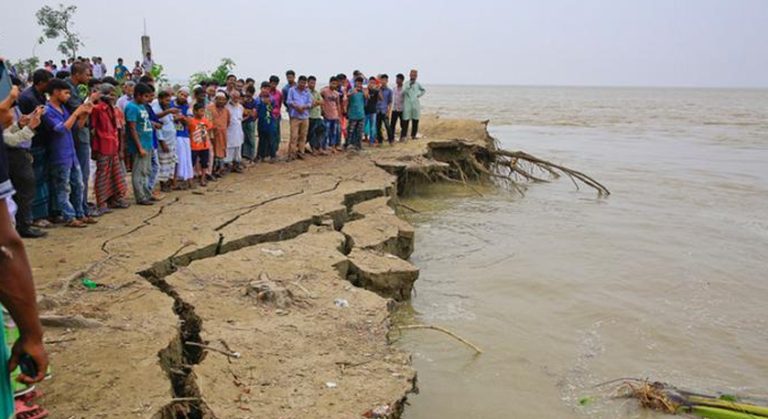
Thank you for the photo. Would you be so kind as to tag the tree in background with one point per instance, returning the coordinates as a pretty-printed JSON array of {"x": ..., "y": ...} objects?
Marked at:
[
  {"x": 57, "y": 23},
  {"x": 219, "y": 74},
  {"x": 158, "y": 74},
  {"x": 24, "y": 68}
]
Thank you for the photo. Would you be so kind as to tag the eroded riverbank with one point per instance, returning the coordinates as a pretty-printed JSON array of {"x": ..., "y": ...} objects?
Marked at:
[{"x": 238, "y": 300}]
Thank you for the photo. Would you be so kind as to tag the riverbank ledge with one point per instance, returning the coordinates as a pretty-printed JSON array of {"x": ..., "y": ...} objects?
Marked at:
[{"x": 266, "y": 294}]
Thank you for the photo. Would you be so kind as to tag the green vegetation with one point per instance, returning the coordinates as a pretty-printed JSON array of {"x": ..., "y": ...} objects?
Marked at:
[
  {"x": 57, "y": 23},
  {"x": 219, "y": 74}
]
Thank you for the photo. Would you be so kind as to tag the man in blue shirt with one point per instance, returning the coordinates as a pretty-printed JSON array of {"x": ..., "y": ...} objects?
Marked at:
[
  {"x": 383, "y": 108},
  {"x": 290, "y": 76},
  {"x": 140, "y": 138},
  {"x": 299, "y": 103},
  {"x": 65, "y": 167}
]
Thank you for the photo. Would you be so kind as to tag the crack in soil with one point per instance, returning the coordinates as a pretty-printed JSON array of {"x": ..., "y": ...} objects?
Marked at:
[
  {"x": 144, "y": 223},
  {"x": 178, "y": 358},
  {"x": 250, "y": 208}
]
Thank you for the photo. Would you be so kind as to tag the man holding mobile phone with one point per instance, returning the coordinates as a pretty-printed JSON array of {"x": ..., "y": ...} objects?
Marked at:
[
  {"x": 20, "y": 157},
  {"x": 17, "y": 291},
  {"x": 81, "y": 75}
]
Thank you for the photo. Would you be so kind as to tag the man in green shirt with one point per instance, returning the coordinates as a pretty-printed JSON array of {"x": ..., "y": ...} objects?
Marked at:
[{"x": 412, "y": 92}]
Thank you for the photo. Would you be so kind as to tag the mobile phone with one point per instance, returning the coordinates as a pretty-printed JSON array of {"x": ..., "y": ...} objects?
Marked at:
[
  {"x": 28, "y": 366},
  {"x": 5, "y": 82}
]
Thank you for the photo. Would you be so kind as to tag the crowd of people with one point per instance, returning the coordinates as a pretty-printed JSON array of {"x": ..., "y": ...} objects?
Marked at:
[
  {"x": 178, "y": 138},
  {"x": 60, "y": 121}
]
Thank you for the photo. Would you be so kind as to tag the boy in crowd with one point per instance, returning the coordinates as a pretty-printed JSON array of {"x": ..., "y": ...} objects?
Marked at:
[
  {"x": 266, "y": 125},
  {"x": 370, "y": 110},
  {"x": 121, "y": 71},
  {"x": 331, "y": 109},
  {"x": 299, "y": 102},
  {"x": 356, "y": 114},
  {"x": 109, "y": 183},
  {"x": 383, "y": 108},
  {"x": 235, "y": 134},
  {"x": 140, "y": 142},
  {"x": 397, "y": 107},
  {"x": 220, "y": 118},
  {"x": 200, "y": 130},
  {"x": 65, "y": 167},
  {"x": 277, "y": 102},
  {"x": 250, "y": 102},
  {"x": 316, "y": 127},
  {"x": 166, "y": 137},
  {"x": 184, "y": 169}
]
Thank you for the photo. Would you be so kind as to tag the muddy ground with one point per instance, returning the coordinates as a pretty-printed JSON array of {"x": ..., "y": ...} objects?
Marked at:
[{"x": 264, "y": 295}]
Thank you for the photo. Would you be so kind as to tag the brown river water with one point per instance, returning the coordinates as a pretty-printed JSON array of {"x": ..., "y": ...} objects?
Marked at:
[{"x": 666, "y": 279}]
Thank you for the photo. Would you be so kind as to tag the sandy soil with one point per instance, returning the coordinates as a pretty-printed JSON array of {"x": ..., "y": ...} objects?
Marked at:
[{"x": 257, "y": 264}]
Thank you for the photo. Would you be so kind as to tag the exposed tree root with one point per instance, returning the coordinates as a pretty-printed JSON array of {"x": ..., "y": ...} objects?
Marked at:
[
  {"x": 444, "y": 330},
  {"x": 477, "y": 161}
]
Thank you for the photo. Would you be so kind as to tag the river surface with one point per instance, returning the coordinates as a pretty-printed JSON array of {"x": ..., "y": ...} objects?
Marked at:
[{"x": 666, "y": 279}]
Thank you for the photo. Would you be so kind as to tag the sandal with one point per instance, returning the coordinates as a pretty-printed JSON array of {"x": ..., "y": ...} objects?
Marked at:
[
  {"x": 30, "y": 395},
  {"x": 89, "y": 220},
  {"x": 75, "y": 223},
  {"x": 25, "y": 411},
  {"x": 42, "y": 223}
]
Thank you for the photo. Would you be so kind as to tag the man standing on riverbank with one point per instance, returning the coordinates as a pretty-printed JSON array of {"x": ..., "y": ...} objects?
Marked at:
[
  {"x": 331, "y": 110},
  {"x": 356, "y": 114},
  {"x": 299, "y": 103},
  {"x": 383, "y": 108},
  {"x": 397, "y": 107},
  {"x": 277, "y": 103},
  {"x": 290, "y": 77},
  {"x": 316, "y": 127},
  {"x": 17, "y": 295},
  {"x": 31, "y": 163},
  {"x": 412, "y": 92},
  {"x": 78, "y": 86}
]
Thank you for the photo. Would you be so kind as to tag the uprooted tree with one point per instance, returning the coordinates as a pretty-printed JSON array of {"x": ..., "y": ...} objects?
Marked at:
[
  {"x": 465, "y": 160},
  {"x": 469, "y": 160}
]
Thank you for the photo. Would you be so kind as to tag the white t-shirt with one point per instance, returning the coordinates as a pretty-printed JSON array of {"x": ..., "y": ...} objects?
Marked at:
[
  {"x": 98, "y": 71},
  {"x": 235, "y": 135}
]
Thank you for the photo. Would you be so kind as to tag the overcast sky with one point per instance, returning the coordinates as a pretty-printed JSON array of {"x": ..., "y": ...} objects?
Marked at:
[{"x": 542, "y": 42}]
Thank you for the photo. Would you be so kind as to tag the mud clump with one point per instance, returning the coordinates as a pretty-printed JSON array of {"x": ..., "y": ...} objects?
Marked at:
[{"x": 268, "y": 292}]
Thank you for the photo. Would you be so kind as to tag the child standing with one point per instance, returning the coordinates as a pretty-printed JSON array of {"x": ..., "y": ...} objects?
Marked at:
[
  {"x": 235, "y": 134},
  {"x": 140, "y": 138},
  {"x": 356, "y": 113},
  {"x": 201, "y": 130},
  {"x": 220, "y": 118},
  {"x": 267, "y": 128},
  {"x": 370, "y": 110},
  {"x": 166, "y": 137},
  {"x": 184, "y": 168}
]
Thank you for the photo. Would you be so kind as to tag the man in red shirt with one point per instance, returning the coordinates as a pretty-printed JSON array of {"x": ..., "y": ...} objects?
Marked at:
[{"x": 110, "y": 186}]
